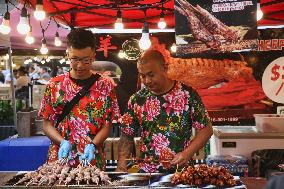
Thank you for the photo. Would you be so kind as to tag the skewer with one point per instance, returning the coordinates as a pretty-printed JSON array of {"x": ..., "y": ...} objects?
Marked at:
[{"x": 177, "y": 168}]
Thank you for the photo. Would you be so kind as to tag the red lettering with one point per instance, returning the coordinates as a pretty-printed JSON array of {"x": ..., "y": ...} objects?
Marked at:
[
  {"x": 274, "y": 44},
  {"x": 261, "y": 46},
  {"x": 281, "y": 44},
  {"x": 267, "y": 45}
]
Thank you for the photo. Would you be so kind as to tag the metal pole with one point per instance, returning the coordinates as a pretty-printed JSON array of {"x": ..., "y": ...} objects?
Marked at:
[{"x": 12, "y": 87}]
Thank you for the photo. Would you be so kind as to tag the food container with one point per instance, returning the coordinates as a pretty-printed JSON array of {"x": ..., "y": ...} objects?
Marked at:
[{"x": 269, "y": 122}]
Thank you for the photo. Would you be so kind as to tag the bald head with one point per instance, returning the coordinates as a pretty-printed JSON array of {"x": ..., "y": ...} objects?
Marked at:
[{"x": 152, "y": 56}]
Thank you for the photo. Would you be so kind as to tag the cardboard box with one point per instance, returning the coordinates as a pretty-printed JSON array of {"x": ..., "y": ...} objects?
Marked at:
[
  {"x": 115, "y": 148},
  {"x": 108, "y": 148},
  {"x": 200, "y": 154}
]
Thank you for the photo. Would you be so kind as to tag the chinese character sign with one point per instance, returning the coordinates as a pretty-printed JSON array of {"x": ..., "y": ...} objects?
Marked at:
[
  {"x": 273, "y": 80},
  {"x": 105, "y": 45},
  {"x": 214, "y": 26}
]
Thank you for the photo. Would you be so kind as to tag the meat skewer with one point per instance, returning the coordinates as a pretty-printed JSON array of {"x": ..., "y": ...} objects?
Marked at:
[{"x": 50, "y": 174}]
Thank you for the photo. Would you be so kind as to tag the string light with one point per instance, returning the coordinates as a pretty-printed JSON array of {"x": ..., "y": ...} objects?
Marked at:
[
  {"x": 162, "y": 24},
  {"x": 29, "y": 38},
  {"x": 144, "y": 42},
  {"x": 43, "y": 49},
  {"x": 5, "y": 26},
  {"x": 39, "y": 13},
  {"x": 23, "y": 26},
  {"x": 118, "y": 24},
  {"x": 57, "y": 40}
]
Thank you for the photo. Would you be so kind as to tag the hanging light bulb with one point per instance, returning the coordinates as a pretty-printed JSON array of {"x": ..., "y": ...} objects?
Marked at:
[
  {"x": 29, "y": 38},
  {"x": 5, "y": 26},
  {"x": 259, "y": 13},
  {"x": 118, "y": 23},
  {"x": 2, "y": 63},
  {"x": 23, "y": 26},
  {"x": 121, "y": 54},
  {"x": 162, "y": 24},
  {"x": 144, "y": 42},
  {"x": 43, "y": 49},
  {"x": 57, "y": 40},
  {"x": 174, "y": 48},
  {"x": 39, "y": 13}
]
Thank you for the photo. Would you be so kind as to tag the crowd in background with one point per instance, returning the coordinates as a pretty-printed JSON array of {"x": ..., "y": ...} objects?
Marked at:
[{"x": 28, "y": 75}]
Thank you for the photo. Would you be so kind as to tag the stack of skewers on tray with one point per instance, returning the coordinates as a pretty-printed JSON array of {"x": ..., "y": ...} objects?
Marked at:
[{"x": 61, "y": 173}]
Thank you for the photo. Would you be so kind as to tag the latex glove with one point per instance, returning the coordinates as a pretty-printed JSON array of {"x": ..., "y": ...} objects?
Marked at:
[
  {"x": 64, "y": 150},
  {"x": 89, "y": 154}
]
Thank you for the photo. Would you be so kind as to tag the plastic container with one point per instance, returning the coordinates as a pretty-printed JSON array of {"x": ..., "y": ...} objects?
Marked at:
[
  {"x": 269, "y": 122},
  {"x": 23, "y": 154}
]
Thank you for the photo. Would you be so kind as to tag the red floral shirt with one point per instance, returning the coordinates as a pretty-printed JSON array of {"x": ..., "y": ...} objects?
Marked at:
[
  {"x": 165, "y": 122},
  {"x": 96, "y": 109}
]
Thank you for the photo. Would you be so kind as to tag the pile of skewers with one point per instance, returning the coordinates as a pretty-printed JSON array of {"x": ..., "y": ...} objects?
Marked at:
[
  {"x": 204, "y": 175},
  {"x": 60, "y": 173}
]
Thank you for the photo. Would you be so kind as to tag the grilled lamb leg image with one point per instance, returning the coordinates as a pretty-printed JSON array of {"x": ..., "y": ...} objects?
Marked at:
[
  {"x": 206, "y": 22},
  {"x": 198, "y": 30}
]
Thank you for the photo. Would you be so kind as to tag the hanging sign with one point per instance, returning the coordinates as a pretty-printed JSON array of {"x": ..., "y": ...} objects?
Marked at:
[
  {"x": 214, "y": 26},
  {"x": 273, "y": 80}
]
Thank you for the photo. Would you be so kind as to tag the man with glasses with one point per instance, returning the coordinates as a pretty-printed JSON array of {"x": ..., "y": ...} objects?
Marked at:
[{"x": 80, "y": 135}]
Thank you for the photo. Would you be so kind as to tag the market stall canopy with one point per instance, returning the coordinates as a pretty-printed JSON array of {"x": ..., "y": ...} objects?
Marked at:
[
  {"x": 273, "y": 13},
  {"x": 103, "y": 13}
]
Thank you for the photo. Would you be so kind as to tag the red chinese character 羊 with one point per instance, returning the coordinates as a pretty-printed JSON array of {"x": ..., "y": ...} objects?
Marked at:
[{"x": 106, "y": 45}]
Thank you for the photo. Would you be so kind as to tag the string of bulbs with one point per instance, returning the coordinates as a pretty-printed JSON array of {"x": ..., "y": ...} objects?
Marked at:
[{"x": 24, "y": 26}]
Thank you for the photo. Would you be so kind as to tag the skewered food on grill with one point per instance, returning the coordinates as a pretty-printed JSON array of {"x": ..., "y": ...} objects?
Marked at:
[
  {"x": 202, "y": 175},
  {"x": 58, "y": 173}
]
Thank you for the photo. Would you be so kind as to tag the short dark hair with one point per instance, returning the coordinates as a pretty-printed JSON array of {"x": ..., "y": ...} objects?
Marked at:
[
  {"x": 80, "y": 38},
  {"x": 152, "y": 55}
]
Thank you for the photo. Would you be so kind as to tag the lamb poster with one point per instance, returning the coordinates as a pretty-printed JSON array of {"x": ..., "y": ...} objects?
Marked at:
[{"x": 215, "y": 26}]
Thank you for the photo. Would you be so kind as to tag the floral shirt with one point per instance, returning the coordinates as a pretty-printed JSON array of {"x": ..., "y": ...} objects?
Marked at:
[
  {"x": 96, "y": 109},
  {"x": 165, "y": 121}
]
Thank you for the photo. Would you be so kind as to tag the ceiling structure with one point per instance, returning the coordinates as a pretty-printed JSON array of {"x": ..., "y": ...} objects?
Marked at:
[
  {"x": 103, "y": 13},
  {"x": 273, "y": 12}
]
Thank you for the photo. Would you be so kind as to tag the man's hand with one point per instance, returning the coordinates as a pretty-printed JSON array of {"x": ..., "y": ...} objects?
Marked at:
[
  {"x": 89, "y": 153},
  {"x": 64, "y": 150},
  {"x": 181, "y": 159}
]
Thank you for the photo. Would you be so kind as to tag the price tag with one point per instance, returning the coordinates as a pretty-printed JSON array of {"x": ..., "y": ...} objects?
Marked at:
[{"x": 273, "y": 80}]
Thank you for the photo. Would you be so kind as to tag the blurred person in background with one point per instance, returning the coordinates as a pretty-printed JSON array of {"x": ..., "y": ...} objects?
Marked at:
[
  {"x": 33, "y": 74},
  {"x": 44, "y": 74}
]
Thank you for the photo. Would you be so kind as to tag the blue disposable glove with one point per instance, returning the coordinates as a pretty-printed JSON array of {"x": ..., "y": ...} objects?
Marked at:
[
  {"x": 89, "y": 154},
  {"x": 64, "y": 150}
]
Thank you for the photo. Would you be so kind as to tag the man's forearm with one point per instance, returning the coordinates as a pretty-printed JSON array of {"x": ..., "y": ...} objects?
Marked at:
[
  {"x": 199, "y": 141},
  {"x": 124, "y": 151},
  {"x": 51, "y": 132}
]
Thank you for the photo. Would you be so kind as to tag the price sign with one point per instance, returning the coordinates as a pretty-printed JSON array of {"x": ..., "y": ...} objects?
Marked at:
[{"x": 273, "y": 80}]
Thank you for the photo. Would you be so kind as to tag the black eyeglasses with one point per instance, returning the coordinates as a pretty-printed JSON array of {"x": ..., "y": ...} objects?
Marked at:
[{"x": 86, "y": 60}]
